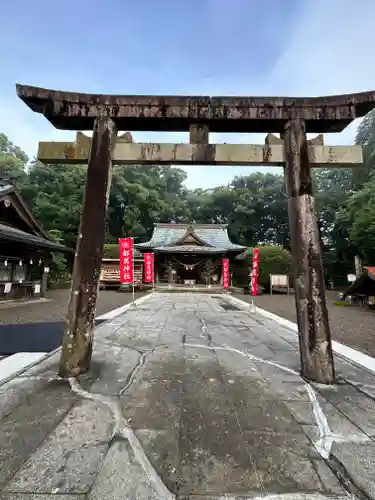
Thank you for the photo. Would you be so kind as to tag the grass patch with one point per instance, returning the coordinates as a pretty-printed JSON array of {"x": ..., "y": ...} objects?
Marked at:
[{"x": 341, "y": 303}]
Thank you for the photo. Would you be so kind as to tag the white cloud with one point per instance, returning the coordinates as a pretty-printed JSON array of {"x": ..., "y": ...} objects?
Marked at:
[{"x": 329, "y": 51}]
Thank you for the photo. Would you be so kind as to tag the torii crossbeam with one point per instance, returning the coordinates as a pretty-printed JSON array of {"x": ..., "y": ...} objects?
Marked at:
[
  {"x": 131, "y": 153},
  {"x": 291, "y": 117}
]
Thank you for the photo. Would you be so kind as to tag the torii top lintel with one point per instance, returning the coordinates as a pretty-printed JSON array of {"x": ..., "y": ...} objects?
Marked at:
[{"x": 74, "y": 111}]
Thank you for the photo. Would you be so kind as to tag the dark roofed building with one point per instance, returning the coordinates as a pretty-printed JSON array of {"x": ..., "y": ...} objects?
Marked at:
[
  {"x": 190, "y": 254},
  {"x": 363, "y": 287},
  {"x": 25, "y": 248}
]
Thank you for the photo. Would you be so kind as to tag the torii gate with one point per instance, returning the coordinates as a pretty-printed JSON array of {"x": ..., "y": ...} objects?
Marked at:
[{"x": 291, "y": 117}]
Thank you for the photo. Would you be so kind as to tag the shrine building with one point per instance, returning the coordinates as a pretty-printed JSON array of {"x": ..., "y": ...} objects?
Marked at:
[
  {"x": 190, "y": 254},
  {"x": 25, "y": 248}
]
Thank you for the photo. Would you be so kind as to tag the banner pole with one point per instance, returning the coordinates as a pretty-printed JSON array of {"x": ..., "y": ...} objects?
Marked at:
[
  {"x": 133, "y": 266},
  {"x": 153, "y": 272}
]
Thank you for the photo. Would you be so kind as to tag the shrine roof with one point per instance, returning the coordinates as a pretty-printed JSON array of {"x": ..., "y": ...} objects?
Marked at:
[
  {"x": 203, "y": 238},
  {"x": 364, "y": 284},
  {"x": 14, "y": 234},
  {"x": 191, "y": 249},
  {"x": 77, "y": 111},
  {"x": 18, "y": 223}
]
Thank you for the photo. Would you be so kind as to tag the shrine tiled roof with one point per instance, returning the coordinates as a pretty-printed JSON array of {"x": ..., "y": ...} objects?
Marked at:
[
  {"x": 203, "y": 238},
  {"x": 13, "y": 234},
  {"x": 189, "y": 249}
]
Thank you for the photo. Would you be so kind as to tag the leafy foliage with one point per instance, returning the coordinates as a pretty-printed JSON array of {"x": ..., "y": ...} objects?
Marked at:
[
  {"x": 111, "y": 251},
  {"x": 273, "y": 259}
]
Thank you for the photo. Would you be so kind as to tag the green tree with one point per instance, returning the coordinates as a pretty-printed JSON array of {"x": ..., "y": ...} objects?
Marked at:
[
  {"x": 55, "y": 193},
  {"x": 355, "y": 218},
  {"x": 13, "y": 162},
  {"x": 358, "y": 216},
  {"x": 273, "y": 259},
  {"x": 365, "y": 137}
]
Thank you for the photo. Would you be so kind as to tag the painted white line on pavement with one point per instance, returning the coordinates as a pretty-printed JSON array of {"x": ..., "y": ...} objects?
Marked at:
[
  {"x": 123, "y": 429},
  {"x": 120, "y": 310},
  {"x": 12, "y": 365},
  {"x": 326, "y": 437},
  {"x": 343, "y": 350}
]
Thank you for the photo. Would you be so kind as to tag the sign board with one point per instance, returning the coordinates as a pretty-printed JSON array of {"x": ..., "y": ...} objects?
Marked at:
[
  {"x": 37, "y": 288},
  {"x": 351, "y": 278},
  {"x": 126, "y": 260},
  {"x": 225, "y": 273},
  {"x": 255, "y": 271},
  {"x": 7, "y": 287},
  {"x": 279, "y": 280},
  {"x": 148, "y": 260}
]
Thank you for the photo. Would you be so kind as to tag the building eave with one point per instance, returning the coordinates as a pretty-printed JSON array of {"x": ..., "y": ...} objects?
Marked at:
[
  {"x": 9, "y": 233},
  {"x": 359, "y": 286}
]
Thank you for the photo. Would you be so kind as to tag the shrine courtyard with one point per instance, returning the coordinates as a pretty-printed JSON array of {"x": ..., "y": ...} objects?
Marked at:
[{"x": 189, "y": 396}]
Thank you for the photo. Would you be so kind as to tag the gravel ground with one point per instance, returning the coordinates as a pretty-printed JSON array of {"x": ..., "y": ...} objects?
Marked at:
[
  {"x": 349, "y": 325},
  {"x": 56, "y": 308}
]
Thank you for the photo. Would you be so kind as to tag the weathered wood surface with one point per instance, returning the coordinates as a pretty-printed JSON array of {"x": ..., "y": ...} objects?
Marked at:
[
  {"x": 202, "y": 152},
  {"x": 77, "y": 111},
  {"x": 312, "y": 313},
  {"x": 78, "y": 336},
  {"x": 128, "y": 153},
  {"x": 199, "y": 133}
]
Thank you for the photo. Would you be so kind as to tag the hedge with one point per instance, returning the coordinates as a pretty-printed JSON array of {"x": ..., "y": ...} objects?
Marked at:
[{"x": 273, "y": 259}]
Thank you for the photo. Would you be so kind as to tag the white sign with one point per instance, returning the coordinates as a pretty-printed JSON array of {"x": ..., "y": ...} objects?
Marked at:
[
  {"x": 351, "y": 278},
  {"x": 7, "y": 287},
  {"x": 279, "y": 280},
  {"x": 46, "y": 269},
  {"x": 37, "y": 288}
]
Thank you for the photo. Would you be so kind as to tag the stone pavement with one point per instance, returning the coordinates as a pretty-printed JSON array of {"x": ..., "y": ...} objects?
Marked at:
[{"x": 189, "y": 397}]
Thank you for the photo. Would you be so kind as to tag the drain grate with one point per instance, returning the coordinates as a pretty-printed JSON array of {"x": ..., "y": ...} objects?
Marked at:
[{"x": 229, "y": 307}]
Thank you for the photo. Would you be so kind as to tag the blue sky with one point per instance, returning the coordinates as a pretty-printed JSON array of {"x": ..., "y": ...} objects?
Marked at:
[{"x": 209, "y": 47}]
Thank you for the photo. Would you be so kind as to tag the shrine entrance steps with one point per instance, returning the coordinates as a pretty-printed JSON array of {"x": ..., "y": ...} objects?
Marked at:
[{"x": 197, "y": 289}]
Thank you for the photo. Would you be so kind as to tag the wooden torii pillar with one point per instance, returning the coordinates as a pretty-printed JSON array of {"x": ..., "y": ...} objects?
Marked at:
[{"x": 291, "y": 117}]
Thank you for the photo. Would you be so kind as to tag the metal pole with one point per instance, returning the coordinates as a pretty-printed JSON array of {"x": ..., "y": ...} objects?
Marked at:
[
  {"x": 133, "y": 266},
  {"x": 153, "y": 272}
]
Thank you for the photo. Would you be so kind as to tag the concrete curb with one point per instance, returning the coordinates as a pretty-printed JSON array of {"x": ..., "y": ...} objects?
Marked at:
[
  {"x": 106, "y": 317},
  {"x": 9, "y": 304},
  {"x": 27, "y": 367},
  {"x": 350, "y": 354},
  {"x": 120, "y": 310}
]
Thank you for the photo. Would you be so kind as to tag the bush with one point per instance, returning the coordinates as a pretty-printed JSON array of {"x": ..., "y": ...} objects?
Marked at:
[
  {"x": 273, "y": 259},
  {"x": 111, "y": 251}
]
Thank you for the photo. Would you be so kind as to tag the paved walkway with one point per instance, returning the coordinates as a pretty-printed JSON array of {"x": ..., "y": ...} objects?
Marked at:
[{"x": 189, "y": 397}]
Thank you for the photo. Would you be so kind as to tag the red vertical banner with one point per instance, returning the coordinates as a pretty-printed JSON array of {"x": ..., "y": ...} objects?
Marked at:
[
  {"x": 126, "y": 260},
  {"x": 148, "y": 262},
  {"x": 225, "y": 273},
  {"x": 255, "y": 271}
]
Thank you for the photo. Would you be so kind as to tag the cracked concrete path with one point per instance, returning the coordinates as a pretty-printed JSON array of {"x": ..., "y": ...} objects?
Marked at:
[{"x": 189, "y": 397}]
